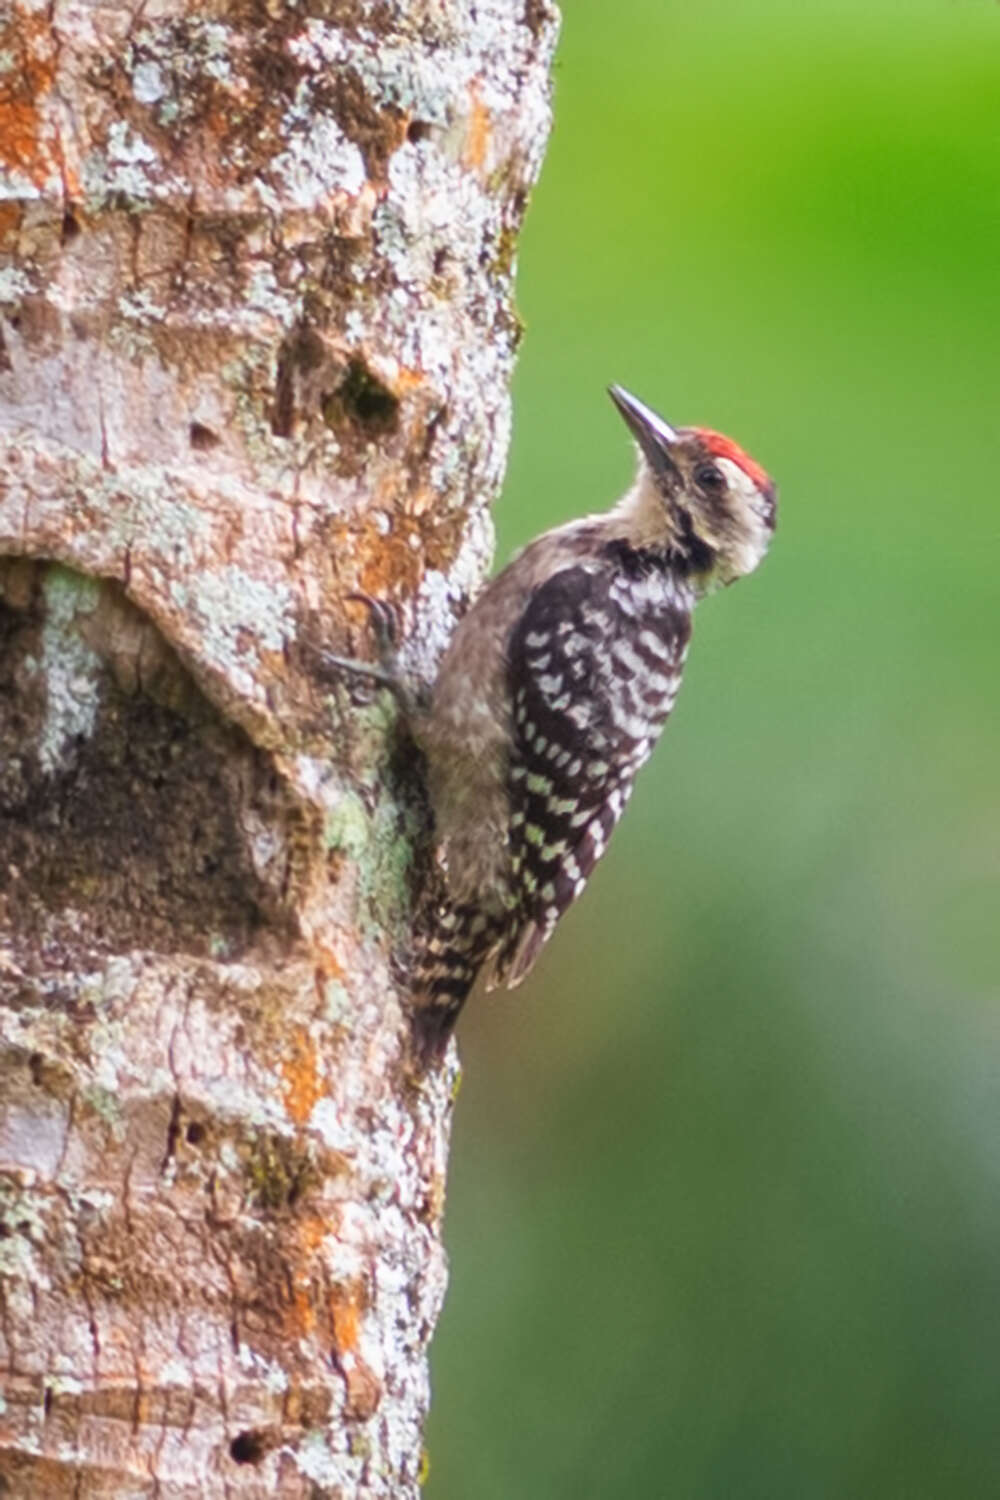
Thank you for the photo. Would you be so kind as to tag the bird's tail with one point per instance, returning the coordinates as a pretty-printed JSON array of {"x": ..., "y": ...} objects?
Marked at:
[{"x": 457, "y": 943}]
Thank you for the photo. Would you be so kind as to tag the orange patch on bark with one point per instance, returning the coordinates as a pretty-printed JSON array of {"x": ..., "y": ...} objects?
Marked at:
[
  {"x": 345, "y": 1316},
  {"x": 328, "y": 966},
  {"x": 407, "y": 380},
  {"x": 477, "y": 136},
  {"x": 10, "y": 220},
  {"x": 306, "y": 1278},
  {"x": 388, "y": 566},
  {"x": 364, "y": 1389},
  {"x": 23, "y": 88},
  {"x": 303, "y": 1313},
  {"x": 313, "y": 1229},
  {"x": 302, "y": 1085}
]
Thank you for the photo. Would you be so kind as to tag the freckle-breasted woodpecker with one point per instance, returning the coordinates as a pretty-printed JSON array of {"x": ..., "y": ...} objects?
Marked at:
[{"x": 554, "y": 689}]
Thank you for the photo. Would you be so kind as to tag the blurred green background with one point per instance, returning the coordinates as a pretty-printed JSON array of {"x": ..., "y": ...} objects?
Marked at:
[{"x": 724, "y": 1212}]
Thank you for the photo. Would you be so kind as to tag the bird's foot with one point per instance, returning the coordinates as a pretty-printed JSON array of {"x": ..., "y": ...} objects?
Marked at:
[{"x": 386, "y": 627}]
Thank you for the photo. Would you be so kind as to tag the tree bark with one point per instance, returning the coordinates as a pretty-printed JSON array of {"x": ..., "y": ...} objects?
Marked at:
[{"x": 256, "y": 332}]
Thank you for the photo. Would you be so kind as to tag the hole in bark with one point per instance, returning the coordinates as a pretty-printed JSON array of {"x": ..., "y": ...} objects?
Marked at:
[
  {"x": 248, "y": 1447},
  {"x": 47, "y": 1400},
  {"x": 440, "y": 260},
  {"x": 195, "y": 1133},
  {"x": 364, "y": 399},
  {"x": 202, "y": 437},
  {"x": 36, "y": 1063},
  {"x": 70, "y": 228},
  {"x": 418, "y": 130}
]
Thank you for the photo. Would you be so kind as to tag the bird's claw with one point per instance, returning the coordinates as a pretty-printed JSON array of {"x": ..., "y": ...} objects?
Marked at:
[{"x": 385, "y": 622}]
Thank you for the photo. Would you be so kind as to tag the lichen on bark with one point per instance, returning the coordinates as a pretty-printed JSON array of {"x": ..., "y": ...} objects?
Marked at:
[{"x": 256, "y": 333}]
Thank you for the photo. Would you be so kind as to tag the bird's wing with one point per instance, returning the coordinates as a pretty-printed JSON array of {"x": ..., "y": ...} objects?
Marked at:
[{"x": 594, "y": 667}]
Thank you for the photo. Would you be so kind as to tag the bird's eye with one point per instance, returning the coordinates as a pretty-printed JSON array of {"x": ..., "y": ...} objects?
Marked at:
[{"x": 709, "y": 477}]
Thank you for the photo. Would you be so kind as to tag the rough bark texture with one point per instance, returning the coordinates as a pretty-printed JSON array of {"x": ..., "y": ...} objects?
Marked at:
[{"x": 256, "y": 331}]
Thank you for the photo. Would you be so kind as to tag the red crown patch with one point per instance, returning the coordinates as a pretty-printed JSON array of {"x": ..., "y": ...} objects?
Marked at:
[{"x": 722, "y": 447}]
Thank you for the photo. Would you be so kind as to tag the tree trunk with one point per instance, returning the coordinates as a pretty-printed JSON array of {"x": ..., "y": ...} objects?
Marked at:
[{"x": 256, "y": 332}]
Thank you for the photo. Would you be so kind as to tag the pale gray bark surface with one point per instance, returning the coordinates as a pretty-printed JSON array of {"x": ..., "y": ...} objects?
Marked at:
[{"x": 256, "y": 332}]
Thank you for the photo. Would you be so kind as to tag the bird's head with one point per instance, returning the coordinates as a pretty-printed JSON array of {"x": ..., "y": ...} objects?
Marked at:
[{"x": 699, "y": 494}]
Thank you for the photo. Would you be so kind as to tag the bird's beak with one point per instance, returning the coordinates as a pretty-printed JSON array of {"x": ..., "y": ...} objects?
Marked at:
[{"x": 654, "y": 436}]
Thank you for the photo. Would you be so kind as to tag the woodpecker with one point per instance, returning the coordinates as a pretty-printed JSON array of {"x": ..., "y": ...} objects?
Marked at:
[{"x": 552, "y": 693}]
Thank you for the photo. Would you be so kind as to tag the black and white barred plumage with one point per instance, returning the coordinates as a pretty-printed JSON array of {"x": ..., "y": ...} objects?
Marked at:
[
  {"x": 553, "y": 691},
  {"x": 595, "y": 664}
]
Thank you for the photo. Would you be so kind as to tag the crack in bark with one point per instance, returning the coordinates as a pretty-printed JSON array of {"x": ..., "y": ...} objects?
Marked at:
[
  {"x": 174, "y": 1126},
  {"x": 67, "y": 1136}
]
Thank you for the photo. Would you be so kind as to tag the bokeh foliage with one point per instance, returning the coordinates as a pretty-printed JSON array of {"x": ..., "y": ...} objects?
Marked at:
[{"x": 724, "y": 1211}]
